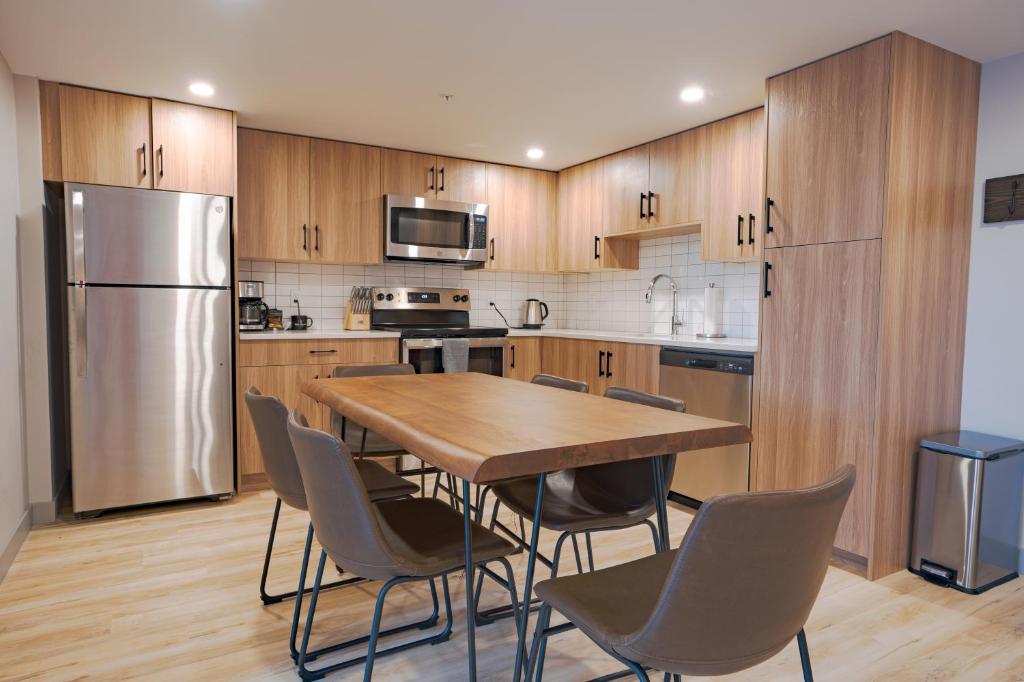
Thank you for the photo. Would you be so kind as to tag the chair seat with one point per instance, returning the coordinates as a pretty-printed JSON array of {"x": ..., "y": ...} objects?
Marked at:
[
  {"x": 382, "y": 484},
  {"x": 427, "y": 536},
  {"x": 564, "y": 508},
  {"x": 612, "y": 603}
]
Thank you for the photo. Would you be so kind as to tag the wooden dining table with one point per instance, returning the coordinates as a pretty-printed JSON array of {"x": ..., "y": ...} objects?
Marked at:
[{"x": 483, "y": 429}]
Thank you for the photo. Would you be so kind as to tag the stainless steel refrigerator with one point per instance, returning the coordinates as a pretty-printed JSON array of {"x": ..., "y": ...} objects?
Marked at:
[{"x": 148, "y": 345}]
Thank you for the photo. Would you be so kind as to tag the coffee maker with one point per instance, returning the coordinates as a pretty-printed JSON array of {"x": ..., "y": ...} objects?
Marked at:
[{"x": 252, "y": 311}]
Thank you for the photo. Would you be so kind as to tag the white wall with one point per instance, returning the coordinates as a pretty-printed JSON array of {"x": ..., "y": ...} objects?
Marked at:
[
  {"x": 13, "y": 486},
  {"x": 993, "y": 397}
]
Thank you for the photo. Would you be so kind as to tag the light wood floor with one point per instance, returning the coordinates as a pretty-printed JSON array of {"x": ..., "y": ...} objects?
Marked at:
[{"x": 172, "y": 594}]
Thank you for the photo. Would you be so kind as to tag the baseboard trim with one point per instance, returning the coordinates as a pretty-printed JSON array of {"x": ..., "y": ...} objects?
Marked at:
[
  {"x": 14, "y": 544},
  {"x": 44, "y": 512}
]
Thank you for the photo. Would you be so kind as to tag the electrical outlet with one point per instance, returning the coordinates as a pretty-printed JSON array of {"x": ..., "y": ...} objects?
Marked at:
[{"x": 292, "y": 295}]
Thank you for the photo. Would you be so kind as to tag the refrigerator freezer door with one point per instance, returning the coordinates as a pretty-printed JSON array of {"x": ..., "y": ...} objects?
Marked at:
[
  {"x": 118, "y": 235},
  {"x": 151, "y": 395}
]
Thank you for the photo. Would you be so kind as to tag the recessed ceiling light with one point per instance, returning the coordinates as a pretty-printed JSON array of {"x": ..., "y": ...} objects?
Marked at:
[
  {"x": 693, "y": 93},
  {"x": 201, "y": 89},
  {"x": 535, "y": 153}
]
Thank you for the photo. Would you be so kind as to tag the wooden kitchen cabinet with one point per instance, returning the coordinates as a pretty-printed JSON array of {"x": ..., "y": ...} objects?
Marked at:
[
  {"x": 104, "y": 138},
  {"x": 318, "y": 351},
  {"x": 345, "y": 207},
  {"x": 631, "y": 365},
  {"x": 827, "y": 148},
  {"x": 626, "y": 181},
  {"x": 427, "y": 175},
  {"x": 523, "y": 357},
  {"x": 579, "y": 216},
  {"x": 273, "y": 195},
  {"x": 731, "y": 231},
  {"x": 678, "y": 179},
  {"x": 461, "y": 180},
  {"x": 570, "y": 358},
  {"x": 193, "y": 148},
  {"x": 521, "y": 219},
  {"x": 755, "y": 185}
]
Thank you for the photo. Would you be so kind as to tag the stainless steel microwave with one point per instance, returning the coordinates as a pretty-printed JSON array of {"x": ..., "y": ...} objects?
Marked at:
[{"x": 418, "y": 228}]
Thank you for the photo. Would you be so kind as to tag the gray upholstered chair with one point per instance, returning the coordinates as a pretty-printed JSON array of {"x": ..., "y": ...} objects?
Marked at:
[
  {"x": 737, "y": 591},
  {"x": 396, "y": 541}
]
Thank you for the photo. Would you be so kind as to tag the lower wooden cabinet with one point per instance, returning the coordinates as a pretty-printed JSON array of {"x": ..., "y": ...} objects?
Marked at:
[
  {"x": 602, "y": 364},
  {"x": 522, "y": 357}
]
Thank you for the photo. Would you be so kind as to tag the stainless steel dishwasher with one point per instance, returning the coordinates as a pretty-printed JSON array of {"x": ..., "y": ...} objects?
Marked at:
[{"x": 714, "y": 385}]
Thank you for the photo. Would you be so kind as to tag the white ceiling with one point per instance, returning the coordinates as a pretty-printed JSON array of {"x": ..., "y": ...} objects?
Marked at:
[{"x": 579, "y": 78}]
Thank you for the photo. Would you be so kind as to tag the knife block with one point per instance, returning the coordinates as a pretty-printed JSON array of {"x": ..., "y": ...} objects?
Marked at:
[{"x": 356, "y": 321}]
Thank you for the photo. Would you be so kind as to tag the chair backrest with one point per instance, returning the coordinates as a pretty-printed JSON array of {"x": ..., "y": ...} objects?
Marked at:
[
  {"x": 629, "y": 484},
  {"x": 270, "y": 419},
  {"x": 345, "y": 522},
  {"x": 744, "y": 579},
  {"x": 353, "y": 437},
  {"x": 560, "y": 382}
]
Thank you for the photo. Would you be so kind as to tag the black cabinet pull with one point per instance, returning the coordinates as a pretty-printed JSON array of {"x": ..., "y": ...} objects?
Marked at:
[
  {"x": 650, "y": 204},
  {"x": 431, "y": 185},
  {"x": 750, "y": 229},
  {"x": 739, "y": 230},
  {"x": 768, "y": 203},
  {"x": 608, "y": 365},
  {"x": 316, "y": 237},
  {"x": 642, "y": 214},
  {"x": 305, "y": 241},
  {"x": 441, "y": 187},
  {"x": 767, "y": 268},
  {"x": 600, "y": 363},
  {"x": 143, "y": 159},
  {"x": 597, "y": 244},
  {"x": 320, "y": 352},
  {"x": 160, "y": 156},
  {"x": 513, "y": 363},
  {"x": 492, "y": 248}
]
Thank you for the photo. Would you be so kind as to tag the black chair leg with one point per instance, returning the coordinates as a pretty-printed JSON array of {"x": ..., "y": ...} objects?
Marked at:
[
  {"x": 537, "y": 650},
  {"x": 576, "y": 553},
  {"x": 590, "y": 553},
  {"x": 270, "y": 598},
  {"x": 805, "y": 656}
]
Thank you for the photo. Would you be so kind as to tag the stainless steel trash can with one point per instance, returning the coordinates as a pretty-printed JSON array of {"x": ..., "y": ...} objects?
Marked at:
[{"x": 967, "y": 510}]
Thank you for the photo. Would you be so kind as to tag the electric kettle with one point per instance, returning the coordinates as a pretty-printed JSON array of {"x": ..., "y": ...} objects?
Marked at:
[{"x": 534, "y": 313}]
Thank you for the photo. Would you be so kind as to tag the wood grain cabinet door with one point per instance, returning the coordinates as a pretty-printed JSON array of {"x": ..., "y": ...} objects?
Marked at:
[
  {"x": 461, "y": 180},
  {"x": 273, "y": 196},
  {"x": 827, "y": 147},
  {"x": 194, "y": 148},
  {"x": 629, "y": 365},
  {"x": 818, "y": 364},
  {"x": 521, "y": 219},
  {"x": 678, "y": 179},
  {"x": 724, "y": 232},
  {"x": 626, "y": 178},
  {"x": 571, "y": 358},
  {"x": 345, "y": 204},
  {"x": 580, "y": 217},
  {"x": 523, "y": 357},
  {"x": 408, "y": 173},
  {"x": 105, "y": 138},
  {"x": 754, "y": 202}
]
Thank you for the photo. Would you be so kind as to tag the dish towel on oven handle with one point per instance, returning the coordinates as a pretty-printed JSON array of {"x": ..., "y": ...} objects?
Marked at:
[{"x": 455, "y": 355}]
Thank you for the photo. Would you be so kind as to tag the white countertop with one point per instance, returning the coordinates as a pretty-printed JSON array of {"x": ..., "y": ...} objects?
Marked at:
[
  {"x": 315, "y": 334},
  {"x": 729, "y": 345}
]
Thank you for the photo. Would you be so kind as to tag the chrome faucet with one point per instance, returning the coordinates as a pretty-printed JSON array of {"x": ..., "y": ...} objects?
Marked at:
[{"x": 649, "y": 297}]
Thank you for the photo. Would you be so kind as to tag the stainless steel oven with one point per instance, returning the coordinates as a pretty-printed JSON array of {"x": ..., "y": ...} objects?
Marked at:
[
  {"x": 419, "y": 228},
  {"x": 486, "y": 355}
]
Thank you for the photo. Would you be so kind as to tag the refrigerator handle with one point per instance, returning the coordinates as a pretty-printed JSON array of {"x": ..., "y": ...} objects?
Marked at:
[
  {"x": 76, "y": 256},
  {"x": 78, "y": 302}
]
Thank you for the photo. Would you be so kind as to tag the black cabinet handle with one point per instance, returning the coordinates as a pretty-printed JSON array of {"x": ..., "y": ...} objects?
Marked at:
[
  {"x": 431, "y": 185},
  {"x": 305, "y": 241},
  {"x": 441, "y": 187},
  {"x": 767, "y": 269},
  {"x": 316, "y": 237},
  {"x": 513, "y": 363},
  {"x": 143, "y": 159},
  {"x": 608, "y": 365},
  {"x": 750, "y": 229},
  {"x": 320, "y": 352},
  {"x": 492, "y": 248},
  {"x": 642, "y": 214},
  {"x": 600, "y": 363},
  {"x": 650, "y": 204},
  {"x": 739, "y": 230},
  {"x": 597, "y": 244},
  {"x": 768, "y": 203},
  {"x": 160, "y": 156}
]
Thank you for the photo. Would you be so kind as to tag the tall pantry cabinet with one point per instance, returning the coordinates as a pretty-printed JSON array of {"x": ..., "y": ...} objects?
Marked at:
[{"x": 869, "y": 172}]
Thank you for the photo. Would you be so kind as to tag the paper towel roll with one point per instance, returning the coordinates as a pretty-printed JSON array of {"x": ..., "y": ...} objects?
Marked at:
[{"x": 714, "y": 308}]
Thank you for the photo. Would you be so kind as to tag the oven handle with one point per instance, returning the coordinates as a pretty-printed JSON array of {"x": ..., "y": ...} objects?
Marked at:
[{"x": 485, "y": 342}]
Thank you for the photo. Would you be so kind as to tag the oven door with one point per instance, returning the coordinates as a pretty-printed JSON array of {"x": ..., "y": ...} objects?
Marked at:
[
  {"x": 418, "y": 228},
  {"x": 486, "y": 355}
]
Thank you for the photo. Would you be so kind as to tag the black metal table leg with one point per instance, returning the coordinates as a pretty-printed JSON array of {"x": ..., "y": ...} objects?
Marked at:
[
  {"x": 660, "y": 496},
  {"x": 467, "y": 529},
  {"x": 524, "y": 614}
]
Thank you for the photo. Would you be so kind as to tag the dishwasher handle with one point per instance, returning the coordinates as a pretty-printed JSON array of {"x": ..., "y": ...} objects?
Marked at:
[{"x": 729, "y": 363}]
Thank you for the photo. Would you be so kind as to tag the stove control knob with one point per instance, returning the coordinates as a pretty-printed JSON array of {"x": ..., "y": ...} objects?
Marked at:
[
  {"x": 465, "y": 298},
  {"x": 380, "y": 297},
  {"x": 455, "y": 298},
  {"x": 390, "y": 297}
]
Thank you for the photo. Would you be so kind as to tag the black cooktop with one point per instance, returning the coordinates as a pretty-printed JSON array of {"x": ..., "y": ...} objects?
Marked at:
[{"x": 442, "y": 331}]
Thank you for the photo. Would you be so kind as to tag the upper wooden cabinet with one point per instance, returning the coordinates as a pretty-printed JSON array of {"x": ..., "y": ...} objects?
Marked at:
[
  {"x": 426, "y": 175},
  {"x": 194, "y": 148},
  {"x": 521, "y": 219},
  {"x": 107, "y": 138},
  {"x": 827, "y": 148},
  {"x": 104, "y": 138},
  {"x": 579, "y": 216},
  {"x": 624, "y": 190},
  {"x": 273, "y": 195},
  {"x": 678, "y": 179},
  {"x": 730, "y": 229},
  {"x": 345, "y": 205}
]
